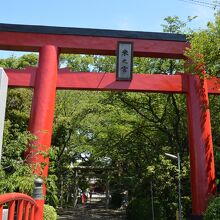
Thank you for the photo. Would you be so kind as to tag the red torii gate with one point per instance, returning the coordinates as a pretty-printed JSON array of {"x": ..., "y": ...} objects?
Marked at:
[{"x": 46, "y": 78}]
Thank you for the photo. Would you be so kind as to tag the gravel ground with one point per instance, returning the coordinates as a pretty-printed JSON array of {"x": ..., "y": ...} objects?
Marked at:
[{"x": 91, "y": 211}]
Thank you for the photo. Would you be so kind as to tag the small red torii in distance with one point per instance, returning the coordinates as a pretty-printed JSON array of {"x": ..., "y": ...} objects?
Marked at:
[{"x": 46, "y": 78}]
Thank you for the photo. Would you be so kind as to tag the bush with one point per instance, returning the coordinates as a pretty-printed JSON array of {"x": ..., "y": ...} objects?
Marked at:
[
  {"x": 49, "y": 213},
  {"x": 116, "y": 200},
  {"x": 140, "y": 209},
  {"x": 213, "y": 210}
]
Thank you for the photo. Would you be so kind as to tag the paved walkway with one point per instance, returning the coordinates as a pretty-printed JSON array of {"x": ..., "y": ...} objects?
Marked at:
[{"x": 93, "y": 211}]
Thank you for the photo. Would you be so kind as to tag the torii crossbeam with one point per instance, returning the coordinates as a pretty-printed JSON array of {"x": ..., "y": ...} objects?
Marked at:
[{"x": 46, "y": 78}]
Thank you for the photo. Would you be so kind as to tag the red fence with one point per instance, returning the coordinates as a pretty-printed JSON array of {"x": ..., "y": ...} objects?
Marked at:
[{"x": 19, "y": 206}]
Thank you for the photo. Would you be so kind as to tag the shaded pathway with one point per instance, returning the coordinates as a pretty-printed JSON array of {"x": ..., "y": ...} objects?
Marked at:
[{"x": 91, "y": 211}]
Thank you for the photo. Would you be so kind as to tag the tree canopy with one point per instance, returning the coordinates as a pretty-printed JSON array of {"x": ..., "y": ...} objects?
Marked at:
[
  {"x": 128, "y": 133},
  {"x": 205, "y": 48}
]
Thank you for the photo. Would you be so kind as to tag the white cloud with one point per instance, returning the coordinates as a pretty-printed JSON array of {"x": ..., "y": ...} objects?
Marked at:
[{"x": 126, "y": 23}]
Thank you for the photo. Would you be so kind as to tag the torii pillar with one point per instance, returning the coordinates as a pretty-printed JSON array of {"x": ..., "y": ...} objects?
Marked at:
[
  {"x": 42, "y": 112},
  {"x": 202, "y": 164}
]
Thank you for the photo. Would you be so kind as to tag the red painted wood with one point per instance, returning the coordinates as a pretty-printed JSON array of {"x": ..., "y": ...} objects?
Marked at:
[
  {"x": 39, "y": 209},
  {"x": 90, "y": 45},
  {"x": 8, "y": 197},
  {"x": 1, "y": 211},
  {"x": 106, "y": 81},
  {"x": 21, "y": 78},
  {"x": 43, "y": 103},
  {"x": 25, "y": 203},
  {"x": 201, "y": 153},
  {"x": 15, "y": 196},
  {"x": 26, "y": 210},
  {"x": 103, "y": 81},
  {"x": 32, "y": 211},
  {"x": 20, "y": 209},
  {"x": 11, "y": 210},
  {"x": 213, "y": 85},
  {"x": 201, "y": 147}
]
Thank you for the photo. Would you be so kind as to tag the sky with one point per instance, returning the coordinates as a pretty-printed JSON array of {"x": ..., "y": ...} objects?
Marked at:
[{"x": 133, "y": 15}]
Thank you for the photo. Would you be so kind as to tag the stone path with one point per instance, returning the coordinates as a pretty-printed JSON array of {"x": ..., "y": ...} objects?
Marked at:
[{"x": 93, "y": 211}]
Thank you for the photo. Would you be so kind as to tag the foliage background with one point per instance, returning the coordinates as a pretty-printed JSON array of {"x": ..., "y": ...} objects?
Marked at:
[{"x": 128, "y": 133}]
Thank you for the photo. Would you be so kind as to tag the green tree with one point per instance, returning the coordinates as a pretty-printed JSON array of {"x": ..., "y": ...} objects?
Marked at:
[
  {"x": 205, "y": 48},
  {"x": 16, "y": 175}
]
